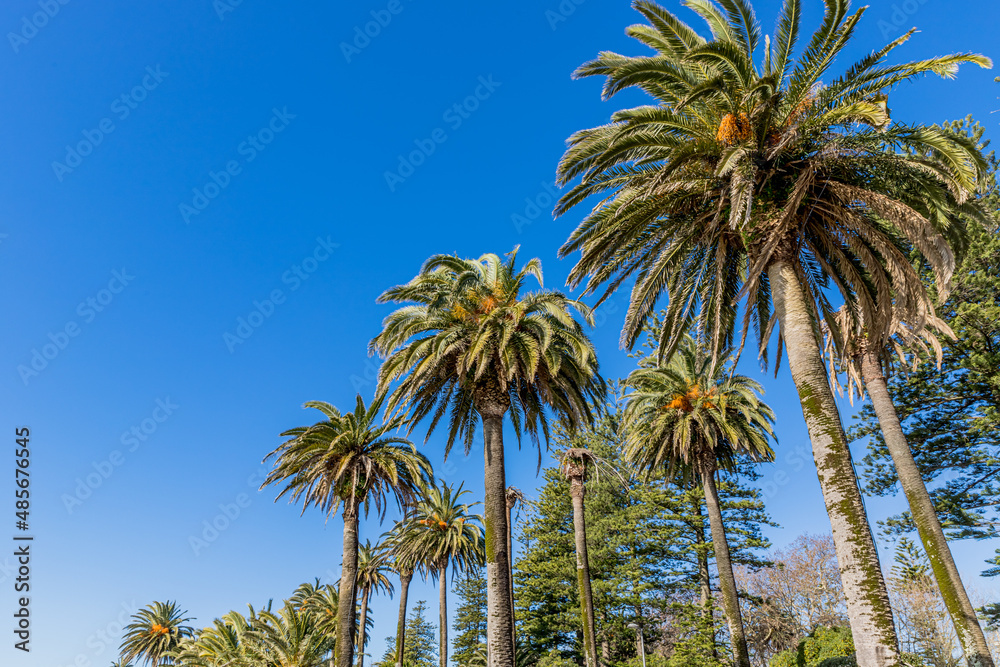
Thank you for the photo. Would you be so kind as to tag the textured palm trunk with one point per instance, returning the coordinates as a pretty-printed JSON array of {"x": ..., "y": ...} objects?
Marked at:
[
  {"x": 442, "y": 569},
  {"x": 348, "y": 576},
  {"x": 727, "y": 580},
  {"x": 701, "y": 551},
  {"x": 499, "y": 626},
  {"x": 510, "y": 562},
  {"x": 362, "y": 621},
  {"x": 576, "y": 492},
  {"x": 864, "y": 585},
  {"x": 949, "y": 581},
  {"x": 404, "y": 589}
]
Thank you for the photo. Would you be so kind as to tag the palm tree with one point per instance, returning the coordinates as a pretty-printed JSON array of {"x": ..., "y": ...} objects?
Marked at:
[
  {"x": 224, "y": 644},
  {"x": 575, "y": 462},
  {"x": 443, "y": 532},
  {"x": 351, "y": 460},
  {"x": 696, "y": 417},
  {"x": 289, "y": 638},
  {"x": 373, "y": 563},
  {"x": 865, "y": 363},
  {"x": 404, "y": 565},
  {"x": 155, "y": 631},
  {"x": 473, "y": 346},
  {"x": 749, "y": 180},
  {"x": 322, "y": 601}
]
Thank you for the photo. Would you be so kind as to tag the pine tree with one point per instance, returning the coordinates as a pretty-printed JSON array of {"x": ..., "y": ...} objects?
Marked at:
[
  {"x": 421, "y": 641},
  {"x": 470, "y": 617}
]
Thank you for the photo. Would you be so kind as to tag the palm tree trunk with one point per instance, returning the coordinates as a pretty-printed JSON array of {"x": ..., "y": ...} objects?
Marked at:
[
  {"x": 949, "y": 581},
  {"x": 499, "y": 626},
  {"x": 864, "y": 585},
  {"x": 727, "y": 581},
  {"x": 348, "y": 575},
  {"x": 362, "y": 621},
  {"x": 510, "y": 561},
  {"x": 576, "y": 492},
  {"x": 701, "y": 550},
  {"x": 404, "y": 589},
  {"x": 443, "y": 610}
]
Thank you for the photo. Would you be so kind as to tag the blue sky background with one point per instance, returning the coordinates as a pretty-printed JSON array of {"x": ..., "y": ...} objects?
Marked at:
[{"x": 322, "y": 177}]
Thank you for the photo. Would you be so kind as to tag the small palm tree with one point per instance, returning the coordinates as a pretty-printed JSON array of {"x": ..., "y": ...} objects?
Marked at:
[
  {"x": 443, "y": 532},
  {"x": 695, "y": 417},
  {"x": 289, "y": 638},
  {"x": 373, "y": 564},
  {"x": 351, "y": 460},
  {"x": 472, "y": 346},
  {"x": 155, "y": 631},
  {"x": 221, "y": 645},
  {"x": 322, "y": 601},
  {"x": 404, "y": 565},
  {"x": 747, "y": 179}
]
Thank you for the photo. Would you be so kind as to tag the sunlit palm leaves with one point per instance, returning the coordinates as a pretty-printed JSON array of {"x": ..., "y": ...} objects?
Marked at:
[{"x": 155, "y": 631}]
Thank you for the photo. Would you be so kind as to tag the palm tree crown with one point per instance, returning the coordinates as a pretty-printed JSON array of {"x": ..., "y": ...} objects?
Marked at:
[
  {"x": 443, "y": 529},
  {"x": 348, "y": 458},
  {"x": 472, "y": 340},
  {"x": 740, "y": 164},
  {"x": 691, "y": 415},
  {"x": 155, "y": 631}
]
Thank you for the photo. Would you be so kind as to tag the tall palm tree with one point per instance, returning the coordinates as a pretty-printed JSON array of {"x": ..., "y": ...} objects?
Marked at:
[
  {"x": 443, "y": 532},
  {"x": 514, "y": 496},
  {"x": 473, "y": 346},
  {"x": 351, "y": 460},
  {"x": 865, "y": 363},
  {"x": 575, "y": 462},
  {"x": 404, "y": 565},
  {"x": 750, "y": 180},
  {"x": 373, "y": 564},
  {"x": 696, "y": 417},
  {"x": 155, "y": 631}
]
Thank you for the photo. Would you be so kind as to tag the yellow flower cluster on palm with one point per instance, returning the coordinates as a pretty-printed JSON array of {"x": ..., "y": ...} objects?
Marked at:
[
  {"x": 734, "y": 129},
  {"x": 687, "y": 400},
  {"x": 157, "y": 629}
]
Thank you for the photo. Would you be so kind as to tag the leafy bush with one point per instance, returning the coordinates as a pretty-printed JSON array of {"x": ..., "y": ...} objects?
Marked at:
[{"x": 825, "y": 647}]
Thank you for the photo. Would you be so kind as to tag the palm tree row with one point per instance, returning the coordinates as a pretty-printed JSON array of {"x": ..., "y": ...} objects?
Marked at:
[{"x": 747, "y": 195}]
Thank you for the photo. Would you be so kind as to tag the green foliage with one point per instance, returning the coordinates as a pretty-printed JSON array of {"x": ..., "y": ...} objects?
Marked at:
[
  {"x": 694, "y": 643},
  {"x": 825, "y": 647},
  {"x": 441, "y": 530},
  {"x": 470, "y": 616},
  {"x": 421, "y": 641},
  {"x": 643, "y": 543},
  {"x": 155, "y": 631}
]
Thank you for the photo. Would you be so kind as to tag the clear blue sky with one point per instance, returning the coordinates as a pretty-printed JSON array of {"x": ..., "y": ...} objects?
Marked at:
[{"x": 262, "y": 110}]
